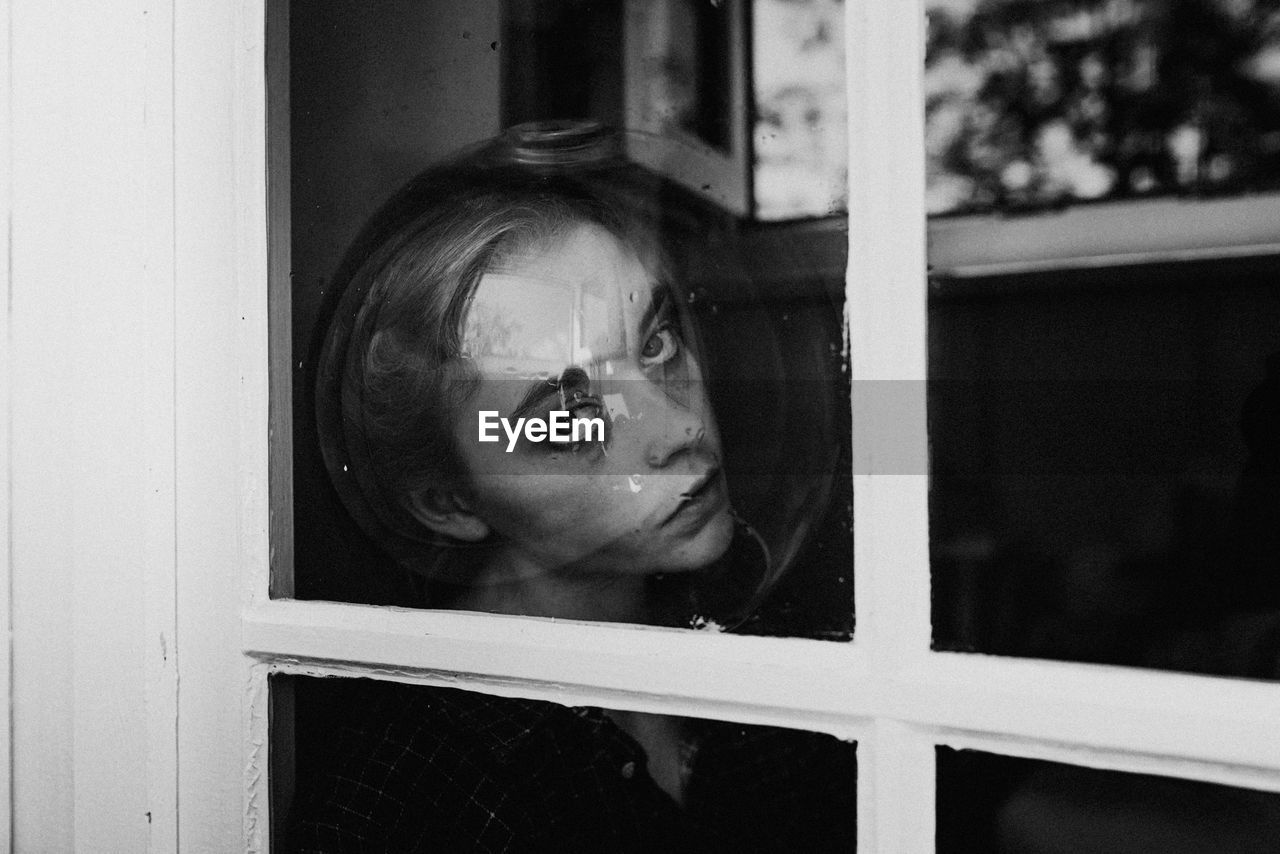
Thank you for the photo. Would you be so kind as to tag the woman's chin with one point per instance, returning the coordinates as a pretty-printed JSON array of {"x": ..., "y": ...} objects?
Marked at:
[{"x": 705, "y": 546}]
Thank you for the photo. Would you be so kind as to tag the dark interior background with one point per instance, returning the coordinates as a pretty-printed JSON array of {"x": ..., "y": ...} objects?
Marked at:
[{"x": 990, "y": 803}]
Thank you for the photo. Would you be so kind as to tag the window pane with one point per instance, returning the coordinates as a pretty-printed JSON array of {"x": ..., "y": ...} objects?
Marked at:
[
  {"x": 595, "y": 259},
  {"x": 491, "y": 773},
  {"x": 801, "y": 153},
  {"x": 1033, "y": 104},
  {"x": 1001, "y": 804},
  {"x": 1103, "y": 381}
]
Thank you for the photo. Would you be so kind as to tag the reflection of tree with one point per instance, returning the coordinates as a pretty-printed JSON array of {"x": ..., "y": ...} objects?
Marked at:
[
  {"x": 1031, "y": 102},
  {"x": 800, "y": 148}
]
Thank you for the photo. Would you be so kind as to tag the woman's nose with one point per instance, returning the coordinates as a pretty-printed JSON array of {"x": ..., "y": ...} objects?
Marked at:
[{"x": 672, "y": 431}]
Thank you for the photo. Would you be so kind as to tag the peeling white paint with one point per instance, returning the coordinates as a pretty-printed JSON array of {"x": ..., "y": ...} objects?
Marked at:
[{"x": 256, "y": 770}]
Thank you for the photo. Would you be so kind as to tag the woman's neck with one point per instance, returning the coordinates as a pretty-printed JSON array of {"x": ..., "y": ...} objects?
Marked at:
[{"x": 509, "y": 585}]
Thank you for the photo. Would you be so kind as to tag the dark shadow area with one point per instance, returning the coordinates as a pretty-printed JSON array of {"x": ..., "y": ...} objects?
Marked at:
[
  {"x": 1104, "y": 466},
  {"x": 990, "y": 804},
  {"x": 493, "y": 771}
]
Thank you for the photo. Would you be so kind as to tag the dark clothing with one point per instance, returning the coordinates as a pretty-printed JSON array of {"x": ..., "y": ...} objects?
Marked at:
[{"x": 437, "y": 769}]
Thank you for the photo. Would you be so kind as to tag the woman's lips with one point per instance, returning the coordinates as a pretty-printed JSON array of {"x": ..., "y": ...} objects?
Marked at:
[
  {"x": 702, "y": 499},
  {"x": 700, "y": 487}
]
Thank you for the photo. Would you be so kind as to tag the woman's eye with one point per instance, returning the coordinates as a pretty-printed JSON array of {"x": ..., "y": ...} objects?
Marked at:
[{"x": 662, "y": 346}]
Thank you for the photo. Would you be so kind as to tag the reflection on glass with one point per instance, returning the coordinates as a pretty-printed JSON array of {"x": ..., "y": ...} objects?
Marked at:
[
  {"x": 679, "y": 58},
  {"x": 1032, "y": 104},
  {"x": 999, "y": 804},
  {"x": 545, "y": 379},
  {"x": 405, "y": 768},
  {"x": 801, "y": 154}
]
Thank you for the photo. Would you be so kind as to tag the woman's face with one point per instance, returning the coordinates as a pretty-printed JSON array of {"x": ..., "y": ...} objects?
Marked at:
[{"x": 580, "y": 324}]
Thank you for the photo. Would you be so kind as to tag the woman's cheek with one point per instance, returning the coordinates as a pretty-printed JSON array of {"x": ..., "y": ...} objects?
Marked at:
[{"x": 549, "y": 502}]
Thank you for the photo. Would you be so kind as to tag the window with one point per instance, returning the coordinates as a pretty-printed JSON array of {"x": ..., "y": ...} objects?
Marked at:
[
  {"x": 374, "y": 95},
  {"x": 1101, "y": 382},
  {"x": 887, "y": 689}
]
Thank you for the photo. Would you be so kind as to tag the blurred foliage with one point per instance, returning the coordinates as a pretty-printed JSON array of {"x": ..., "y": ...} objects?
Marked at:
[
  {"x": 801, "y": 154},
  {"x": 1034, "y": 103}
]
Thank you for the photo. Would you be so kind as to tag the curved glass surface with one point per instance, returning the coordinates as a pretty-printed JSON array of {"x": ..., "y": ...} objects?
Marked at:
[{"x": 557, "y": 369}]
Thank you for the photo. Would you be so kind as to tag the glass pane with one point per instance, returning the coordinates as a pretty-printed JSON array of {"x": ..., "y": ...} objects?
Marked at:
[
  {"x": 409, "y": 768},
  {"x": 801, "y": 115},
  {"x": 1000, "y": 804},
  {"x": 1033, "y": 104},
  {"x": 1103, "y": 403},
  {"x": 540, "y": 211}
]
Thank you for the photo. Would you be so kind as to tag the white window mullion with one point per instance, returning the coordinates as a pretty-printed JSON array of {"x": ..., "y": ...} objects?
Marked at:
[
  {"x": 1111, "y": 709},
  {"x": 261, "y": 241},
  {"x": 257, "y": 737},
  {"x": 886, "y": 307},
  {"x": 887, "y": 334},
  {"x": 896, "y": 790},
  {"x": 252, "y": 259},
  {"x": 1125, "y": 761},
  {"x": 806, "y": 682}
]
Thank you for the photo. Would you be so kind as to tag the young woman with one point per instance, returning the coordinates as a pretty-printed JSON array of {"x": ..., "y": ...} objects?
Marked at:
[{"x": 511, "y": 403}]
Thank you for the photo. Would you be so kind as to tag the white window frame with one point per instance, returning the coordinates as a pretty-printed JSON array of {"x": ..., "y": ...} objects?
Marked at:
[
  {"x": 1106, "y": 235},
  {"x": 886, "y": 688}
]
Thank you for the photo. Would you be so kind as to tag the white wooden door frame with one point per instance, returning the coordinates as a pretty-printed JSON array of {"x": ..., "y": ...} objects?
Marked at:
[{"x": 88, "y": 675}]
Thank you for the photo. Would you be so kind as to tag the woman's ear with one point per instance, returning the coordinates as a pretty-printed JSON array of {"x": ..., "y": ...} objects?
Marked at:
[{"x": 445, "y": 512}]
